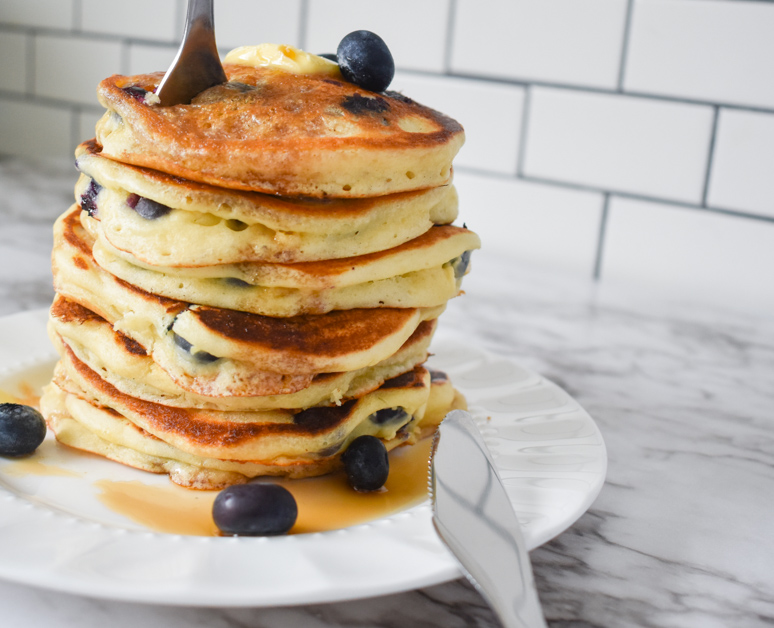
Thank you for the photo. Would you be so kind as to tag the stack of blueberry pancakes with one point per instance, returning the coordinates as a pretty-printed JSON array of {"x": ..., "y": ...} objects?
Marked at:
[{"x": 249, "y": 282}]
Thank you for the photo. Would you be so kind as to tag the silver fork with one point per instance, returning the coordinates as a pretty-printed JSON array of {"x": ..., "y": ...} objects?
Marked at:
[{"x": 197, "y": 65}]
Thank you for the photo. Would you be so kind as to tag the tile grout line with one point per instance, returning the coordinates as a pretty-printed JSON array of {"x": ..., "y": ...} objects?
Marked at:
[
  {"x": 625, "y": 45},
  {"x": 180, "y": 14},
  {"x": 450, "y": 74},
  {"x": 579, "y": 187},
  {"x": 47, "y": 101},
  {"x": 601, "y": 238},
  {"x": 77, "y": 17},
  {"x": 523, "y": 133},
  {"x": 29, "y": 53},
  {"x": 451, "y": 23},
  {"x": 710, "y": 156},
  {"x": 124, "y": 58},
  {"x": 81, "y": 34},
  {"x": 482, "y": 78},
  {"x": 74, "y": 126},
  {"x": 303, "y": 22}
]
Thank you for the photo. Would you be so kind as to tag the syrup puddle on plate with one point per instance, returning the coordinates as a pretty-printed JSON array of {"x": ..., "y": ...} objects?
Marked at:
[
  {"x": 324, "y": 503},
  {"x": 28, "y": 394},
  {"x": 26, "y": 397},
  {"x": 36, "y": 465},
  {"x": 26, "y": 386}
]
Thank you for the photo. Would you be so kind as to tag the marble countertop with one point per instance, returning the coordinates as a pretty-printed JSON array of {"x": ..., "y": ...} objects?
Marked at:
[{"x": 681, "y": 534}]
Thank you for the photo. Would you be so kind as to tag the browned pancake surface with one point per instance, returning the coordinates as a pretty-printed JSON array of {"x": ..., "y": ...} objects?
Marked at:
[{"x": 282, "y": 133}]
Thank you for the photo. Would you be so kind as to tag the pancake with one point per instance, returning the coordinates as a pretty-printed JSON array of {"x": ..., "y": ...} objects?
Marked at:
[
  {"x": 218, "y": 352},
  {"x": 126, "y": 365},
  {"x": 277, "y": 436},
  {"x": 249, "y": 282},
  {"x": 424, "y": 272},
  {"x": 105, "y": 432},
  {"x": 78, "y": 277},
  {"x": 443, "y": 399},
  {"x": 281, "y": 133},
  {"x": 215, "y": 352},
  {"x": 277, "y": 442},
  {"x": 204, "y": 225}
]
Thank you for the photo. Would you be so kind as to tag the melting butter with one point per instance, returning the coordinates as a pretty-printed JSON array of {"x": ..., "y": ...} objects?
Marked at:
[{"x": 283, "y": 57}]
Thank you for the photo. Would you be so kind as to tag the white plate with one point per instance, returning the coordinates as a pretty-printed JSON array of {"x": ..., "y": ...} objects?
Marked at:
[{"x": 54, "y": 533}]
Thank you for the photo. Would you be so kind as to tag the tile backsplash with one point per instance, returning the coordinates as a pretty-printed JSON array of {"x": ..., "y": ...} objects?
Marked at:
[{"x": 625, "y": 140}]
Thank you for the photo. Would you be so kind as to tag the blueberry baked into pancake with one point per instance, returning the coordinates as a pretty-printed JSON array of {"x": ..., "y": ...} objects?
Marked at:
[{"x": 249, "y": 284}]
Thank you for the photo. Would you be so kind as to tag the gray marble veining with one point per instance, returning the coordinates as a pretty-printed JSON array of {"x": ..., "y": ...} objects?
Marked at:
[
  {"x": 31, "y": 197},
  {"x": 681, "y": 534}
]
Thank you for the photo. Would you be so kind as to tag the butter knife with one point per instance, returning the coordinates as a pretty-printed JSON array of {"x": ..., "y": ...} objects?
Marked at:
[{"x": 475, "y": 519}]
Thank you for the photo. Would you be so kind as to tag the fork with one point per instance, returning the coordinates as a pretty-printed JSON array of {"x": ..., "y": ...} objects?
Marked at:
[{"x": 197, "y": 65}]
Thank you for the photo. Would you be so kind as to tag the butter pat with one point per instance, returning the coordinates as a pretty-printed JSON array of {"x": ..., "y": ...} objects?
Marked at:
[{"x": 283, "y": 57}]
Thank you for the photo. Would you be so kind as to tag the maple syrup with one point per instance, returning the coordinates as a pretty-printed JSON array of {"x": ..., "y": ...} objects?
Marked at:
[
  {"x": 35, "y": 464},
  {"x": 27, "y": 394},
  {"x": 324, "y": 503},
  {"x": 25, "y": 388}
]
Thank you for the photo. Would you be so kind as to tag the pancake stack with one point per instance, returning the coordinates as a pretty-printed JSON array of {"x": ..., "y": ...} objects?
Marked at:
[{"x": 249, "y": 282}]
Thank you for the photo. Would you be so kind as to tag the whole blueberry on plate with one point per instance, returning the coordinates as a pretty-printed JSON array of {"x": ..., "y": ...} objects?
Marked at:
[
  {"x": 255, "y": 510},
  {"x": 22, "y": 429},
  {"x": 366, "y": 464},
  {"x": 365, "y": 60}
]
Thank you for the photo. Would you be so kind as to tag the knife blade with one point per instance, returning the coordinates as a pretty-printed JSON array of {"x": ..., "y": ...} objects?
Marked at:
[{"x": 475, "y": 519}]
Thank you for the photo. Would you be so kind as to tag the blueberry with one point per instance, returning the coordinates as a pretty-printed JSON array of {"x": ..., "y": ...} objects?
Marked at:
[
  {"x": 360, "y": 105},
  {"x": 389, "y": 415},
  {"x": 89, "y": 198},
  {"x": 148, "y": 209},
  {"x": 438, "y": 376},
  {"x": 329, "y": 451},
  {"x": 235, "y": 282},
  {"x": 399, "y": 97},
  {"x": 460, "y": 264},
  {"x": 199, "y": 356},
  {"x": 365, "y": 60},
  {"x": 366, "y": 463},
  {"x": 22, "y": 429},
  {"x": 138, "y": 93},
  {"x": 255, "y": 510}
]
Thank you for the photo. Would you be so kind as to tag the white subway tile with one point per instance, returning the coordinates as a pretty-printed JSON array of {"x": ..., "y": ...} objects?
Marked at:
[
  {"x": 742, "y": 175},
  {"x": 535, "y": 224},
  {"x": 70, "y": 69},
  {"x": 491, "y": 114},
  {"x": 13, "y": 52},
  {"x": 704, "y": 50},
  {"x": 555, "y": 41},
  {"x": 146, "y": 58},
  {"x": 45, "y": 13},
  {"x": 414, "y": 31},
  {"x": 637, "y": 145},
  {"x": 249, "y": 22},
  {"x": 695, "y": 255},
  {"x": 86, "y": 122},
  {"x": 141, "y": 19},
  {"x": 33, "y": 130}
]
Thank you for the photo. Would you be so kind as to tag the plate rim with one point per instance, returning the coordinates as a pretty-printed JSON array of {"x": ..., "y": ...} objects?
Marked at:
[{"x": 412, "y": 528}]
